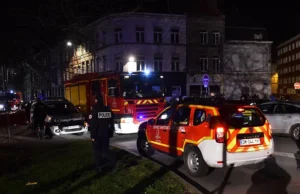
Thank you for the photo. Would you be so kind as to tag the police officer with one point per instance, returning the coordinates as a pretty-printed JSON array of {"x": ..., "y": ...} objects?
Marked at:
[
  {"x": 102, "y": 129},
  {"x": 39, "y": 115}
]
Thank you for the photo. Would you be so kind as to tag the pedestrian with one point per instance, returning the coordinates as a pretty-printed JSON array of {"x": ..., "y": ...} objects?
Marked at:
[
  {"x": 102, "y": 129},
  {"x": 39, "y": 115}
]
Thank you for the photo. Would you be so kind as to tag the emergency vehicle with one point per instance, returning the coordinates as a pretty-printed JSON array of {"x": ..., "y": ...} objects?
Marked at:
[
  {"x": 198, "y": 131},
  {"x": 134, "y": 97}
]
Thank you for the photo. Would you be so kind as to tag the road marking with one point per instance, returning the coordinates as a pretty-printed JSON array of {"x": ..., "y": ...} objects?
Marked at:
[{"x": 286, "y": 154}]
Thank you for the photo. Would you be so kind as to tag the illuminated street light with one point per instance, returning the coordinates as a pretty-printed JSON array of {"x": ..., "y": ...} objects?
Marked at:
[
  {"x": 131, "y": 59},
  {"x": 69, "y": 43}
]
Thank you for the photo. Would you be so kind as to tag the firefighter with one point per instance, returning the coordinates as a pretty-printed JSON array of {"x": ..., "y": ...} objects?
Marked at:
[
  {"x": 102, "y": 129},
  {"x": 39, "y": 115}
]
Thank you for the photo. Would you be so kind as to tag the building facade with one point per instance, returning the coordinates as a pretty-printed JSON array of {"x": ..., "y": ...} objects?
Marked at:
[
  {"x": 156, "y": 42},
  {"x": 205, "y": 40},
  {"x": 288, "y": 59},
  {"x": 247, "y": 63}
]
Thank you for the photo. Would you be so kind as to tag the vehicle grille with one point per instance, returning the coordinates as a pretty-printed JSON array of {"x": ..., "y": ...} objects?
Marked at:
[
  {"x": 147, "y": 110},
  {"x": 71, "y": 123},
  {"x": 70, "y": 130}
]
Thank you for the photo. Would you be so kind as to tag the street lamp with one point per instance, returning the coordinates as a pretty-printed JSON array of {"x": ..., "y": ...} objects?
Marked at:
[
  {"x": 131, "y": 59},
  {"x": 69, "y": 43}
]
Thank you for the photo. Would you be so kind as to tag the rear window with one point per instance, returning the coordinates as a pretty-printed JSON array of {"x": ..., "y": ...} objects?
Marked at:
[{"x": 242, "y": 117}]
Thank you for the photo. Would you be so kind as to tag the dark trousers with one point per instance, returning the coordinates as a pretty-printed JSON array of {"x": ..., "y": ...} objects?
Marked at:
[
  {"x": 102, "y": 153},
  {"x": 39, "y": 128}
]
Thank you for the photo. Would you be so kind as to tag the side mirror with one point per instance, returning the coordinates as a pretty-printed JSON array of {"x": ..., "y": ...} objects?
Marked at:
[{"x": 151, "y": 121}]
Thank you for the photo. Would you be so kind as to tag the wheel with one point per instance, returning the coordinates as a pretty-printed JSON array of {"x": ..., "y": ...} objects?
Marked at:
[
  {"x": 295, "y": 132},
  {"x": 80, "y": 134},
  {"x": 194, "y": 162},
  {"x": 144, "y": 147}
]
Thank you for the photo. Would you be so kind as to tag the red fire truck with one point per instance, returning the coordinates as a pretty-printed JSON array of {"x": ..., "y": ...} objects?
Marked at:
[{"x": 133, "y": 98}]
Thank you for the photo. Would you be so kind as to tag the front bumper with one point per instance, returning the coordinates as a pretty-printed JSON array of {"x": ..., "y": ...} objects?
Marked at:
[
  {"x": 58, "y": 131},
  {"x": 126, "y": 128}
]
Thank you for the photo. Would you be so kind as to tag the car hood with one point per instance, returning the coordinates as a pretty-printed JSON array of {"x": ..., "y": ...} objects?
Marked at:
[{"x": 64, "y": 116}]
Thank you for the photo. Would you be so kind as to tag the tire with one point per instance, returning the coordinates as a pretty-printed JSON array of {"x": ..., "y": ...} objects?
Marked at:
[
  {"x": 144, "y": 147},
  {"x": 194, "y": 162},
  {"x": 295, "y": 132}
]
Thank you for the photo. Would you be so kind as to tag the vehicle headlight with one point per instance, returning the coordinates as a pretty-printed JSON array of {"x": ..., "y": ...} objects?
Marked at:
[
  {"x": 126, "y": 120},
  {"x": 1, "y": 106},
  {"x": 48, "y": 119}
]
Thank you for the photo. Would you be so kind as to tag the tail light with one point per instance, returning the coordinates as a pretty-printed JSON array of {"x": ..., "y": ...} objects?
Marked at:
[
  {"x": 270, "y": 129},
  {"x": 220, "y": 135}
]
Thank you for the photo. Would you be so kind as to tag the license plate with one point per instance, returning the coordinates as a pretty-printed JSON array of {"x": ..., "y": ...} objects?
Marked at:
[
  {"x": 253, "y": 141},
  {"x": 72, "y": 127}
]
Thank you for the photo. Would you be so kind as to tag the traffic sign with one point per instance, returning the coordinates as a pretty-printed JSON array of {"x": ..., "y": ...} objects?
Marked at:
[{"x": 205, "y": 80}]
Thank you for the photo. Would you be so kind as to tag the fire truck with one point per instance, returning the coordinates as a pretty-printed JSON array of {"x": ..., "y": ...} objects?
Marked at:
[{"x": 134, "y": 98}]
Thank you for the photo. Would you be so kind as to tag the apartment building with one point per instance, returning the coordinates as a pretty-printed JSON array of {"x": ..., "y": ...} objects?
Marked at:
[{"x": 288, "y": 59}]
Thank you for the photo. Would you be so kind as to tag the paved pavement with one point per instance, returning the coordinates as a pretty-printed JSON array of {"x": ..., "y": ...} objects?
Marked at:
[{"x": 279, "y": 176}]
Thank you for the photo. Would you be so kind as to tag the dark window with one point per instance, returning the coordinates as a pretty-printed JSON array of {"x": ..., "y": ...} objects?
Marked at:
[
  {"x": 242, "y": 117},
  {"x": 174, "y": 36},
  {"x": 182, "y": 116},
  {"x": 164, "y": 117},
  {"x": 118, "y": 35},
  {"x": 157, "y": 35},
  {"x": 199, "y": 117},
  {"x": 279, "y": 109},
  {"x": 113, "y": 87},
  {"x": 292, "y": 109},
  {"x": 158, "y": 63},
  {"x": 267, "y": 108},
  {"x": 175, "y": 64},
  {"x": 140, "y": 35}
]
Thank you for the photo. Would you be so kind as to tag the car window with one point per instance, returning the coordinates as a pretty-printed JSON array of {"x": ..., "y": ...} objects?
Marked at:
[
  {"x": 242, "y": 117},
  {"x": 182, "y": 116},
  {"x": 279, "y": 109},
  {"x": 165, "y": 117},
  {"x": 199, "y": 117},
  {"x": 61, "y": 108},
  {"x": 267, "y": 108},
  {"x": 291, "y": 109}
]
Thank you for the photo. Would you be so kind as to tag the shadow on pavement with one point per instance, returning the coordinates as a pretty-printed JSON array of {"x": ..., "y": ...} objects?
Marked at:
[
  {"x": 224, "y": 183},
  {"x": 272, "y": 179}
]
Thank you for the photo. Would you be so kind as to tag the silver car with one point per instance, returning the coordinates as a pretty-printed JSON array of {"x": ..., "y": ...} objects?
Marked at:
[{"x": 284, "y": 117}]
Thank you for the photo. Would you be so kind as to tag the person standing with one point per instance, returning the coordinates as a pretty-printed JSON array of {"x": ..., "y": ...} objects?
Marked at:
[
  {"x": 102, "y": 129},
  {"x": 39, "y": 115}
]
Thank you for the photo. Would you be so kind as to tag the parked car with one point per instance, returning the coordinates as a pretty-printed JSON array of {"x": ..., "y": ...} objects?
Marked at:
[
  {"x": 284, "y": 117},
  {"x": 198, "y": 131},
  {"x": 64, "y": 118}
]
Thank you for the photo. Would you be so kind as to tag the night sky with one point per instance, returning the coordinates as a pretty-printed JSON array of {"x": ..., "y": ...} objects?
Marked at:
[{"x": 35, "y": 25}]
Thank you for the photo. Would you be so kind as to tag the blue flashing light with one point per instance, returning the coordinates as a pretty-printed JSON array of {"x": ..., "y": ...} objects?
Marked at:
[
  {"x": 141, "y": 117},
  {"x": 11, "y": 91},
  {"x": 147, "y": 72}
]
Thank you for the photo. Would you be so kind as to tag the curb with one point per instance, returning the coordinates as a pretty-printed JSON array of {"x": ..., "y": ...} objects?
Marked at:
[
  {"x": 285, "y": 154},
  {"x": 176, "y": 175}
]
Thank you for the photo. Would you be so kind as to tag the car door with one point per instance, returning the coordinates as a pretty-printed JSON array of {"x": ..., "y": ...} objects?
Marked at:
[
  {"x": 177, "y": 133},
  {"x": 268, "y": 110},
  {"x": 279, "y": 120},
  {"x": 292, "y": 116},
  {"x": 160, "y": 130}
]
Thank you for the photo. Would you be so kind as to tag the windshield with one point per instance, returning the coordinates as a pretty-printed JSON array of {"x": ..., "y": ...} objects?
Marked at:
[
  {"x": 242, "y": 117},
  {"x": 141, "y": 86},
  {"x": 61, "y": 108}
]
